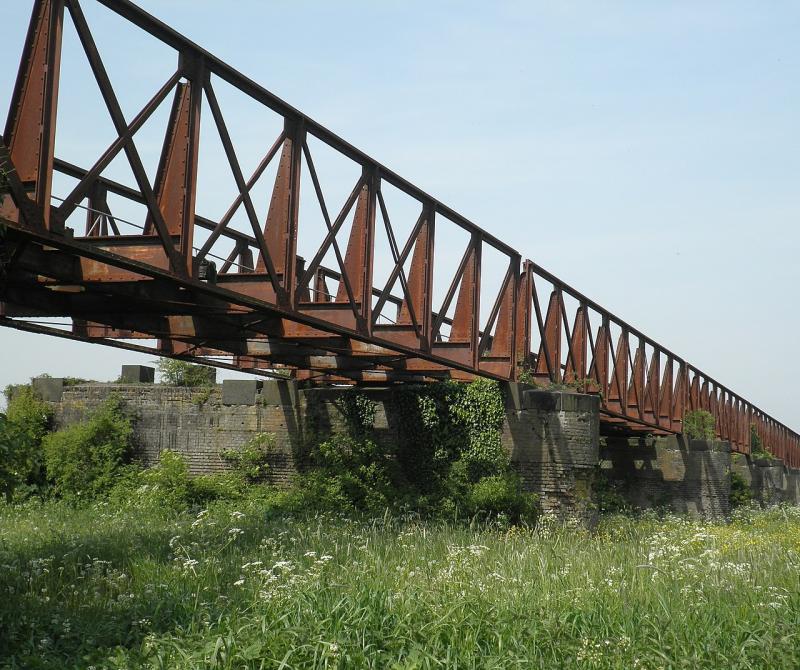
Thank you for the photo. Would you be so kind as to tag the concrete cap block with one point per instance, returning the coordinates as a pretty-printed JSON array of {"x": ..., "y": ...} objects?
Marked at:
[
  {"x": 137, "y": 374},
  {"x": 559, "y": 401},
  {"x": 768, "y": 463},
  {"x": 240, "y": 391},
  {"x": 579, "y": 402},
  {"x": 542, "y": 400},
  {"x": 49, "y": 388},
  {"x": 709, "y": 445},
  {"x": 514, "y": 394},
  {"x": 279, "y": 392}
]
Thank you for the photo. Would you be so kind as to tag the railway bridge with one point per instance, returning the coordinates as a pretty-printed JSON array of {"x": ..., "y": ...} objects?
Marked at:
[{"x": 374, "y": 301}]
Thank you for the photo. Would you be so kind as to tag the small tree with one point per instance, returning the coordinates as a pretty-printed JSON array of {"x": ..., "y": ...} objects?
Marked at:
[
  {"x": 699, "y": 425},
  {"x": 174, "y": 372}
]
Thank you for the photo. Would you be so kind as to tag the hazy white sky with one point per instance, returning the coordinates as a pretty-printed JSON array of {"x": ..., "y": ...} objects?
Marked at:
[{"x": 648, "y": 153}]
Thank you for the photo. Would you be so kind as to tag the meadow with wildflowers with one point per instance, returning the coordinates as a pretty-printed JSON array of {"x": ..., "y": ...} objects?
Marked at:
[{"x": 242, "y": 585}]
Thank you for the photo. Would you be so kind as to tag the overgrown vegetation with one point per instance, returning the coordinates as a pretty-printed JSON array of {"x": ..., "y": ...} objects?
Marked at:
[
  {"x": 699, "y": 425},
  {"x": 741, "y": 494},
  {"x": 452, "y": 455},
  {"x": 174, "y": 372},
  {"x": 22, "y": 428},
  {"x": 449, "y": 462},
  {"x": 252, "y": 459},
  {"x": 608, "y": 495},
  {"x": 168, "y": 485},
  {"x": 85, "y": 459},
  {"x": 237, "y": 585},
  {"x": 757, "y": 448}
]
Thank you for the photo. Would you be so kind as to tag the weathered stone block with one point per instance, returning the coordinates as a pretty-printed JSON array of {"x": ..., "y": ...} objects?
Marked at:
[
  {"x": 546, "y": 401},
  {"x": 514, "y": 393},
  {"x": 49, "y": 388},
  {"x": 240, "y": 391},
  {"x": 137, "y": 374},
  {"x": 279, "y": 392}
]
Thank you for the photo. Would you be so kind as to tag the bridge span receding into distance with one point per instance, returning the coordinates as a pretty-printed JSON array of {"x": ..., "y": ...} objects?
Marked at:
[{"x": 233, "y": 291}]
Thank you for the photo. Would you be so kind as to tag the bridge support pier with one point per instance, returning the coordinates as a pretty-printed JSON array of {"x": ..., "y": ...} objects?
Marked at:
[
  {"x": 770, "y": 481},
  {"x": 552, "y": 437},
  {"x": 687, "y": 476},
  {"x": 553, "y": 440}
]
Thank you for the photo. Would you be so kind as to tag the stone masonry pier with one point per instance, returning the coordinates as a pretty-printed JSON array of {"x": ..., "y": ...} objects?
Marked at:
[{"x": 552, "y": 438}]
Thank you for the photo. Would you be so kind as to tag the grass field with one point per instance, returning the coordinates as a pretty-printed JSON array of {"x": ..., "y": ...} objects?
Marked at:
[{"x": 239, "y": 587}]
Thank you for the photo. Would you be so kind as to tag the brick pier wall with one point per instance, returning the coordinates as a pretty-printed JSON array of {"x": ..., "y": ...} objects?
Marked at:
[
  {"x": 553, "y": 440},
  {"x": 770, "y": 481},
  {"x": 552, "y": 437},
  {"x": 688, "y": 476}
]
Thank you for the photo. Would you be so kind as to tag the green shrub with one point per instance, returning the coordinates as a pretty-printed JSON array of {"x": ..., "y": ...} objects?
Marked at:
[
  {"x": 171, "y": 480},
  {"x": 85, "y": 459},
  {"x": 757, "y": 448},
  {"x": 168, "y": 484},
  {"x": 13, "y": 458},
  {"x": 607, "y": 495},
  {"x": 741, "y": 494},
  {"x": 452, "y": 455},
  {"x": 252, "y": 459},
  {"x": 351, "y": 473},
  {"x": 22, "y": 428},
  {"x": 28, "y": 412},
  {"x": 699, "y": 425},
  {"x": 175, "y": 372},
  {"x": 501, "y": 494}
]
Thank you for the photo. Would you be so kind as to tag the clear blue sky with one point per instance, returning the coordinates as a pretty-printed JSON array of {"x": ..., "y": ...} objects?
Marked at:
[{"x": 648, "y": 153}]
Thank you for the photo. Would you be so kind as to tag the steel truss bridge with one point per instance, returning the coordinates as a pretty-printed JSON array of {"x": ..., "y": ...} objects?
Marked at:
[{"x": 206, "y": 290}]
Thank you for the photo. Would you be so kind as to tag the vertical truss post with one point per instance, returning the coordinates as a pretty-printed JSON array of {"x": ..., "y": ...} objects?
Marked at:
[
  {"x": 599, "y": 367},
  {"x": 466, "y": 324},
  {"x": 635, "y": 405},
  {"x": 650, "y": 393},
  {"x": 522, "y": 329},
  {"x": 296, "y": 134},
  {"x": 548, "y": 362},
  {"x": 357, "y": 268},
  {"x": 679, "y": 398},
  {"x": 281, "y": 226},
  {"x": 418, "y": 303},
  {"x": 196, "y": 73},
  {"x": 373, "y": 184},
  {"x": 31, "y": 123},
  {"x": 578, "y": 347},
  {"x": 176, "y": 177},
  {"x": 426, "y": 340}
]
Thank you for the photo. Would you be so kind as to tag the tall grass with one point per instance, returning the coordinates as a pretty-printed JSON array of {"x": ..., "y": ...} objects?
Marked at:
[{"x": 238, "y": 587}]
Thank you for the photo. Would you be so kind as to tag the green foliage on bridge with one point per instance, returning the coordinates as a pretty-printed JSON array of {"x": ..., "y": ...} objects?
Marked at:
[
  {"x": 699, "y": 425},
  {"x": 449, "y": 462}
]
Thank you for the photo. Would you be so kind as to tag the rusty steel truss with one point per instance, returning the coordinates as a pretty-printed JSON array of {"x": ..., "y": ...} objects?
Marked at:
[{"x": 265, "y": 309}]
